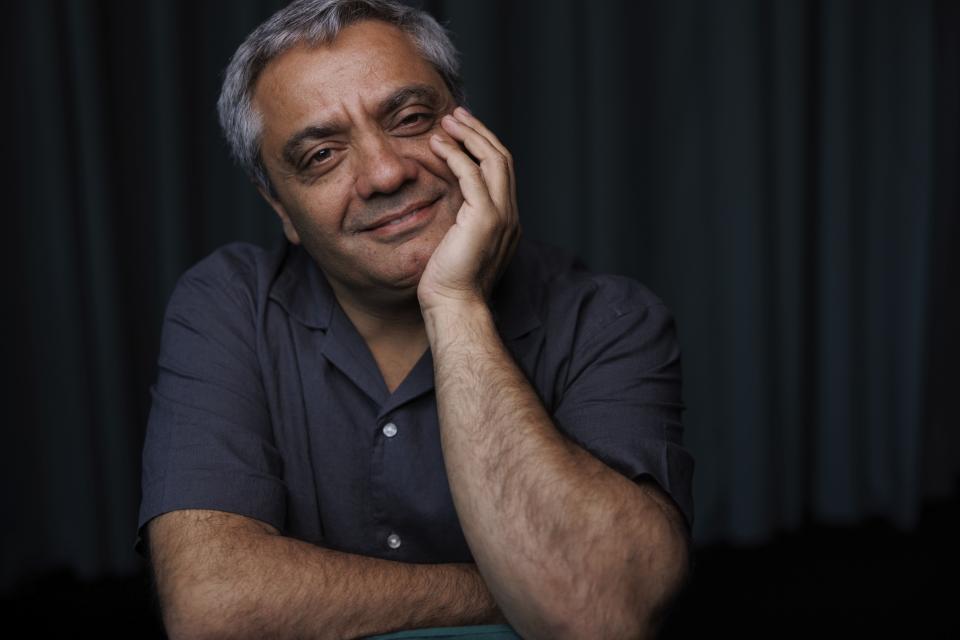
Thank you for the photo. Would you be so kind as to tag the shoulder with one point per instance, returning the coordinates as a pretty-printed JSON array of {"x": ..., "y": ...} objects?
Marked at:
[
  {"x": 234, "y": 264},
  {"x": 235, "y": 274},
  {"x": 219, "y": 300},
  {"x": 565, "y": 292}
]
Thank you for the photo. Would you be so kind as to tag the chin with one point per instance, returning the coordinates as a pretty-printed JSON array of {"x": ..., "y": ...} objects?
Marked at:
[{"x": 410, "y": 265}]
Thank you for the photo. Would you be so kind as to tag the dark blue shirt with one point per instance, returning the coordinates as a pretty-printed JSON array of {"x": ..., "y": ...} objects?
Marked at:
[{"x": 269, "y": 404}]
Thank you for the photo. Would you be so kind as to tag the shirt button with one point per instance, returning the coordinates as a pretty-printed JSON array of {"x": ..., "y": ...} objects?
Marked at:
[
  {"x": 393, "y": 541},
  {"x": 390, "y": 430}
]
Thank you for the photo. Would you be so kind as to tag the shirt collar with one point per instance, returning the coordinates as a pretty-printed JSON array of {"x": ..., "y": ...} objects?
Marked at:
[{"x": 302, "y": 289}]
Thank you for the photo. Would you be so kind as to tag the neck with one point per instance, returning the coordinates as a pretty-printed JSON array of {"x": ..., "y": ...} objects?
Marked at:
[
  {"x": 392, "y": 328},
  {"x": 380, "y": 316}
]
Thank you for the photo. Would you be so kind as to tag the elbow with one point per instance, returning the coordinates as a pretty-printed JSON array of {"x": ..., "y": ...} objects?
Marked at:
[
  {"x": 627, "y": 625},
  {"x": 638, "y": 607},
  {"x": 668, "y": 578},
  {"x": 643, "y": 620},
  {"x": 187, "y": 622},
  {"x": 664, "y": 582},
  {"x": 633, "y": 624},
  {"x": 195, "y": 614}
]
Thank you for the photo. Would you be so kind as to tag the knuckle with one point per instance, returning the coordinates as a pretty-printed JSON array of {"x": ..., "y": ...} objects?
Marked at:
[{"x": 497, "y": 162}]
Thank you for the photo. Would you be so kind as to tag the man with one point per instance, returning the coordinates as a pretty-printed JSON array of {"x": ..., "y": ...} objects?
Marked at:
[{"x": 402, "y": 420}]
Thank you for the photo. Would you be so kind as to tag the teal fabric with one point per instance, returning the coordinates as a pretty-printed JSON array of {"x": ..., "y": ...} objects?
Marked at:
[{"x": 482, "y": 632}]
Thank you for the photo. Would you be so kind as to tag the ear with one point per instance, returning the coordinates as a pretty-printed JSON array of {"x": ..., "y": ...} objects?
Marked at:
[{"x": 281, "y": 211}]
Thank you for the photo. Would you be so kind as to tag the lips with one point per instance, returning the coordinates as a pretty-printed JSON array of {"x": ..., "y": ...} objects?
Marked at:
[{"x": 399, "y": 218}]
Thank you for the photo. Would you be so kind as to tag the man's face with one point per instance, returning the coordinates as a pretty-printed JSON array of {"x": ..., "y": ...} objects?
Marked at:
[{"x": 345, "y": 142}]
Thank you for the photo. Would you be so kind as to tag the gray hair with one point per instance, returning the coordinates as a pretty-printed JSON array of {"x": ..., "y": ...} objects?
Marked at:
[{"x": 316, "y": 22}]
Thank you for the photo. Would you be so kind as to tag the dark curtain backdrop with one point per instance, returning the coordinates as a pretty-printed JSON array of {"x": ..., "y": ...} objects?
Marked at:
[{"x": 782, "y": 173}]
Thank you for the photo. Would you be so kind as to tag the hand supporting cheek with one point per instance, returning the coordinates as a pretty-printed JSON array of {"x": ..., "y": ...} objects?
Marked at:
[{"x": 479, "y": 245}]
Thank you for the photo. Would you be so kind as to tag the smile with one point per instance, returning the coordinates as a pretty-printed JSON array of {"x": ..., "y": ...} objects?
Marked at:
[
  {"x": 403, "y": 218},
  {"x": 399, "y": 226}
]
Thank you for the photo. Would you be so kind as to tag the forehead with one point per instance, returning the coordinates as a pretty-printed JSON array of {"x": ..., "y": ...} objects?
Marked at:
[{"x": 365, "y": 63}]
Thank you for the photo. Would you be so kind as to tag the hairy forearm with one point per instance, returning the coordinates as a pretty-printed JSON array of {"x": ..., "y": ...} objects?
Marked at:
[
  {"x": 568, "y": 546},
  {"x": 247, "y": 581}
]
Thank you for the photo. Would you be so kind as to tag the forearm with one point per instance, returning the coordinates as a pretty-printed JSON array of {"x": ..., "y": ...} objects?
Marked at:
[
  {"x": 248, "y": 583},
  {"x": 561, "y": 539}
]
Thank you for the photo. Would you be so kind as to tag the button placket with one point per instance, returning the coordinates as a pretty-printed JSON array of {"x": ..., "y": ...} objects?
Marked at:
[{"x": 389, "y": 430}]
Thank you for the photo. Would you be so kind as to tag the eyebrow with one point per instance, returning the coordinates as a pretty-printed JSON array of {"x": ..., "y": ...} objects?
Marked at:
[{"x": 421, "y": 92}]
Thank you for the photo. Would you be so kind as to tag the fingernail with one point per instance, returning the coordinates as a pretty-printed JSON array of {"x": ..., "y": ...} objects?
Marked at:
[
  {"x": 436, "y": 138},
  {"x": 464, "y": 109}
]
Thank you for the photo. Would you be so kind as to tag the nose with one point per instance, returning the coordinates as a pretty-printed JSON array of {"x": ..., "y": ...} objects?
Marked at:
[{"x": 382, "y": 169}]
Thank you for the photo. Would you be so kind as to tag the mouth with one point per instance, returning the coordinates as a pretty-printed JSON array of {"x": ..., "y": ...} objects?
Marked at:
[{"x": 410, "y": 218}]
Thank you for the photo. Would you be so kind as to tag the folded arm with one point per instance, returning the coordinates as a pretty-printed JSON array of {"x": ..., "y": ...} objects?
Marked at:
[
  {"x": 569, "y": 547},
  {"x": 224, "y": 575}
]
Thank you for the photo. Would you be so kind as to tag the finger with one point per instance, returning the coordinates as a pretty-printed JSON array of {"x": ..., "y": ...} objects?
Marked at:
[
  {"x": 472, "y": 185},
  {"x": 511, "y": 240},
  {"x": 466, "y": 117},
  {"x": 479, "y": 144},
  {"x": 496, "y": 171},
  {"x": 462, "y": 115}
]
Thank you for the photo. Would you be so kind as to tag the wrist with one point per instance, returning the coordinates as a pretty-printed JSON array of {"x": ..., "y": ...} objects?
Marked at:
[{"x": 457, "y": 317}]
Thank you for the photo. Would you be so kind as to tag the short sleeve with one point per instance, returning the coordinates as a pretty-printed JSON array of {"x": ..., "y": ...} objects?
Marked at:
[
  {"x": 209, "y": 442},
  {"x": 622, "y": 401}
]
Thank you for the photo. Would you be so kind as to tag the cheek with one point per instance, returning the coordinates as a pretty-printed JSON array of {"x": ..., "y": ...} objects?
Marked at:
[
  {"x": 445, "y": 173},
  {"x": 453, "y": 202},
  {"x": 421, "y": 151},
  {"x": 323, "y": 208}
]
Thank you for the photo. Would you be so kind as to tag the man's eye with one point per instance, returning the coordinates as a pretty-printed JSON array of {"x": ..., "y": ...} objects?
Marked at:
[
  {"x": 319, "y": 156},
  {"x": 416, "y": 121}
]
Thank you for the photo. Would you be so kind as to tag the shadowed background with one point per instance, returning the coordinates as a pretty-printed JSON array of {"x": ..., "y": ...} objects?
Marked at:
[{"x": 782, "y": 173}]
